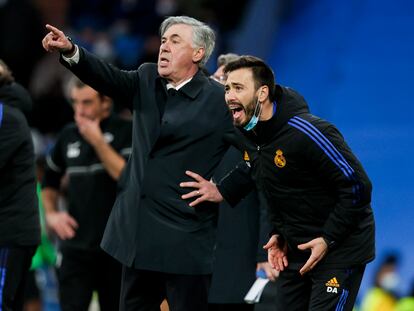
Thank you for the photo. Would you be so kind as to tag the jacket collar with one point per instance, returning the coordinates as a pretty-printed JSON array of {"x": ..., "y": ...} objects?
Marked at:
[{"x": 192, "y": 88}]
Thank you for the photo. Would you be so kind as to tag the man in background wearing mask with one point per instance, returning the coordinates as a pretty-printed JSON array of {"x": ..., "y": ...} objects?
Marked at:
[{"x": 317, "y": 191}]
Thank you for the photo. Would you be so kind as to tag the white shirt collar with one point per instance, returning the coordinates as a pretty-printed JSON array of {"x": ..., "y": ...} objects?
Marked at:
[{"x": 179, "y": 86}]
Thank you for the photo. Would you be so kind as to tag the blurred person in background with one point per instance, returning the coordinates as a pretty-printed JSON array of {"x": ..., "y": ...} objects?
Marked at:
[
  {"x": 19, "y": 215},
  {"x": 406, "y": 303},
  {"x": 92, "y": 153},
  {"x": 317, "y": 191},
  {"x": 383, "y": 296},
  {"x": 237, "y": 259},
  {"x": 180, "y": 120}
]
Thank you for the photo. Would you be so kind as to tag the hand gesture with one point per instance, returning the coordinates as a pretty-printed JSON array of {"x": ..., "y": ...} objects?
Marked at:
[
  {"x": 62, "y": 224},
  {"x": 204, "y": 190},
  {"x": 90, "y": 130},
  {"x": 277, "y": 253},
  {"x": 318, "y": 249},
  {"x": 56, "y": 40}
]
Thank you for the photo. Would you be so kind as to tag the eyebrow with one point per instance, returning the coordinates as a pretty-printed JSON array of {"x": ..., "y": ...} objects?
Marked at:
[
  {"x": 173, "y": 36},
  {"x": 235, "y": 84}
]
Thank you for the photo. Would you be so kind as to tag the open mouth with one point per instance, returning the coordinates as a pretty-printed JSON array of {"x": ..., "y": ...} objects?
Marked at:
[
  {"x": 237, "y": 110},
  {"x": 164, "y": 61}
]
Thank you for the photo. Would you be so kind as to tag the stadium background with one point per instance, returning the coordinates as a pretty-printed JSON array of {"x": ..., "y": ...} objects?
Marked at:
[{"x": 352, "y": 60}]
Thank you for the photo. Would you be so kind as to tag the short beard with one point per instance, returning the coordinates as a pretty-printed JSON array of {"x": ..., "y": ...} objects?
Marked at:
[{"x": 249, "y": 110}]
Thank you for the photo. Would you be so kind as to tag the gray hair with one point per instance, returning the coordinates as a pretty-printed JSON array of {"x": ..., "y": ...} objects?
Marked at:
[
  {"x": 203, "y": 36},
  {"x": 224, "y": 59}
]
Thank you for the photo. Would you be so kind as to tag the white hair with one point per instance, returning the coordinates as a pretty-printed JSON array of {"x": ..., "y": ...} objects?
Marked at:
[{"x": 203, "y": 36}]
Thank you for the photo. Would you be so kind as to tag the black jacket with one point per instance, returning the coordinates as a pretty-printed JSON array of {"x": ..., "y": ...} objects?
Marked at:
[
  {"x": 241, "y": 233},
  {"x": 150, "y": 226},
  {"x": 91, "y": 190},
  {"x": 19, "y": 214},
  {"x": 314, "y": 184}
]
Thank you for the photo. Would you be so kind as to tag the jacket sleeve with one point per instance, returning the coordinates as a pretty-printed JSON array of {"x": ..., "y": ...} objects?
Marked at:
[
  {"x": 104, "y": 77},
  {"x": 237, "y": 184},
  {"x": 338, "y": 167},
  {"x": 10, "y": 136},
  {"x": 55, "y": 165}
]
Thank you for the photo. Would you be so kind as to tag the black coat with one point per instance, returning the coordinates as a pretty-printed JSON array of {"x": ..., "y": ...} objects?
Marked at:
[
  {"x": 19, "y": 214},
  {"x": 150, "y": 226},
  {"x": 241, "y": 233},
  {"x": 314, "y": 184}
]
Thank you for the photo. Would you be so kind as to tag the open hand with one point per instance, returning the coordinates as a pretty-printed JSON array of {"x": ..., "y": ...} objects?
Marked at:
[
  {"x": 276, "y": 253},
  {"x": 204, "y": 190},
  {"x": 318, "y": 249}
]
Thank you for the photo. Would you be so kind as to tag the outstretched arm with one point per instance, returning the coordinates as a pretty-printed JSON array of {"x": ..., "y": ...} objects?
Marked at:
[{"x": 56, "y": 41}]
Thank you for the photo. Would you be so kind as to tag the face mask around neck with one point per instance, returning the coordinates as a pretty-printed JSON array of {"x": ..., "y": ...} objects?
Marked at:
[{"x": 255, "y": 118}]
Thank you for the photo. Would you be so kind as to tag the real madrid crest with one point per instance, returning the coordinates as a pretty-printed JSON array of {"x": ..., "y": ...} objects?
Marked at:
[{"x": 279, "y": 159}]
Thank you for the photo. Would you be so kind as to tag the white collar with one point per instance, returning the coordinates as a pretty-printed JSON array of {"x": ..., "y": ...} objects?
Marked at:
[{"x": 179, "y": 86}]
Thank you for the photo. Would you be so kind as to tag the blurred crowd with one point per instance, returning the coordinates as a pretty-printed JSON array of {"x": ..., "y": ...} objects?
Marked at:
[{"x": 123, "y": 32}]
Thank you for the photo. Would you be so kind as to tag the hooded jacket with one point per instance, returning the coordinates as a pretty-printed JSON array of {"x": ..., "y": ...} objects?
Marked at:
[
  {"x": 314, "y": 185},
  {"x": 19, "y": 216}
]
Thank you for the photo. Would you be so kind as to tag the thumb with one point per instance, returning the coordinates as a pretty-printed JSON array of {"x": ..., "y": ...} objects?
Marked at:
[
  {"x": 304, "y": 246},
  {"x": 268, "y": 244}
]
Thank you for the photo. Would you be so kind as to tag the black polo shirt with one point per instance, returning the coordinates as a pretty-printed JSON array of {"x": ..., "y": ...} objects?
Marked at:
[{"x": 91, "y": 190}]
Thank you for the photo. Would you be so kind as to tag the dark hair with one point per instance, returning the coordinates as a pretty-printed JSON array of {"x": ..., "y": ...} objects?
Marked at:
[
  {"x": 77, "y": 83},
  {"x": 6, "y": 76},
  {"x": 262, "y": 73}
]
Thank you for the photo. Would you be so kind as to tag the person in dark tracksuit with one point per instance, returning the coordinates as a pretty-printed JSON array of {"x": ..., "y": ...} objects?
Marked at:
[
  {"x": 92, "y": 152},
  {"x": 19, "y": 216},
  {"x": 180, "y": 120},
  {"x": 317, "y": 191}
]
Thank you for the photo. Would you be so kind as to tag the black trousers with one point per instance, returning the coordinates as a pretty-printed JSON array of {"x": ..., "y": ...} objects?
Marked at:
[
  {"x": 144, "y": 290},
  {"x": 83, "y": 271},
  {"x": 14, "y": 268},
  {"x": 321, "y": 289},
  {"x": 230, "y": 307}
]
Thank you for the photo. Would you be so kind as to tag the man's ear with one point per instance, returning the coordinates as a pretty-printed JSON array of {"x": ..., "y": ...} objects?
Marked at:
[
  {"x": 198, "y": 54},
  {"x": 263, "y": 93},
  {"x": 107, "y": 103}
]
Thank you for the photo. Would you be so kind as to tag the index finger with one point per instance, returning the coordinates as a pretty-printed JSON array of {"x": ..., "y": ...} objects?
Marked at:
[
  {"x": 307, "y": 266},
  {"x": 55, "y": 30},
  {"x": 194, "y": 175}
]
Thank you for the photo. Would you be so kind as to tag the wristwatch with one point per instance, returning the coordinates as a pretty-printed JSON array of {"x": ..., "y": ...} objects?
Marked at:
[
  {"x": 73, "y": 48},
  {"x": 331, "y": 243}
]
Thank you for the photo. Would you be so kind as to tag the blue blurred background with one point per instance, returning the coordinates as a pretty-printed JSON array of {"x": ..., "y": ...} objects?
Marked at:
[{"x": 352, "y": 60}]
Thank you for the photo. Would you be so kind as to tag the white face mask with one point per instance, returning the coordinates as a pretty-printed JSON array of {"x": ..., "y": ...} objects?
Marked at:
[{"x": 390, "y": 281}]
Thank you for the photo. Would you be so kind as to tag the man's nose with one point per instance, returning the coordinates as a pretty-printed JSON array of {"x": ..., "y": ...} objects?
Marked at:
[
  {"x": 165, "y": 47},
  {"x": 229, "y": 96}
]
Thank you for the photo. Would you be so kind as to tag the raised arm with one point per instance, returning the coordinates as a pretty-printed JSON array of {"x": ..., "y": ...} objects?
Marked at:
[{"x": 101, "y": 76}]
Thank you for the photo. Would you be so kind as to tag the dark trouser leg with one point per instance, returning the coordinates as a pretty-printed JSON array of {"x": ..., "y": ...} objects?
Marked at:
[
  {"x": 292, "y": 291},
  {"x": 141, "y": 290},
  {"x": 76, "y": 280},
  {"x": 14, "y": 268},
  {"x": 187, "y": 292},
  {"x": 108, "y": 283},
  {"x": 230, "y": 307},
  {"x": 335, "y": 289}
]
